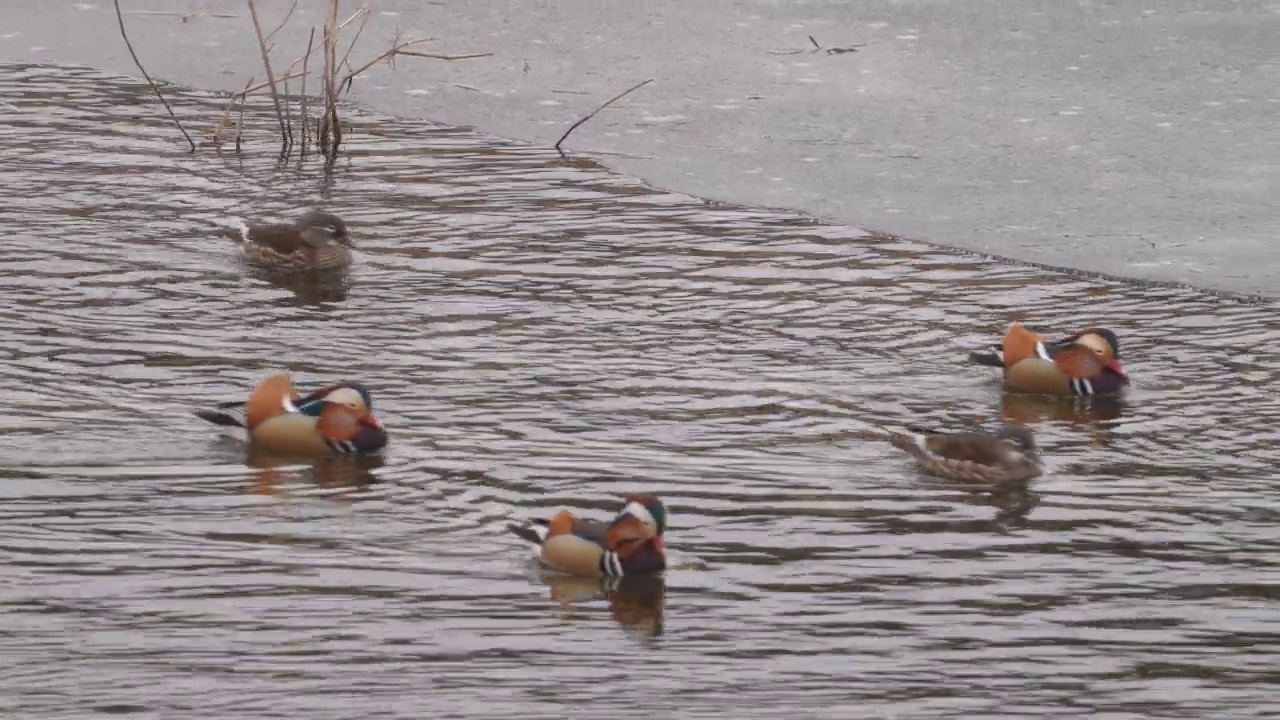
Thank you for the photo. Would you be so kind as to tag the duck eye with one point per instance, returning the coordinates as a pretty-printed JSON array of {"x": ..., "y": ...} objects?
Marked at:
[{"x": 1098, "y": 350}]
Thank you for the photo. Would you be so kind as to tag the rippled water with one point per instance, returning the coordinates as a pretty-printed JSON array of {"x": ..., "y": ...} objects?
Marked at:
[{"x": 541, "y": 334}]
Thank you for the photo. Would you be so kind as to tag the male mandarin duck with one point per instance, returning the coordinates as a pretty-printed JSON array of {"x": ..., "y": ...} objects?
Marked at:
[
  {"x": 336, "y": 419},
  {"x": 630, "y": 544},
  {"x": 1006, "y": 456},
  {"x": 1086, "y": 363},
  {"x": 315, "y": 241}
]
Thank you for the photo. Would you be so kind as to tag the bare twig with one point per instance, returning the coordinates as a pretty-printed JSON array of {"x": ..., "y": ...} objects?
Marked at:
[
  {"x": 255, "y": 88},
  {"x": 438, "y": 56},
  {"x": 302, "y": 100},
  {"x": 288, "y": 122},
  {"x": 363, "y": 21},
  {"x": 240, "y": 127},
  {"x": 152, "y": 83},
  {"x": 611, "y": 101},
  {"x": 266, "y": 61},
  {"x": 283, "y": 20},
  {"x": 397, "y": 49},
  {"x": 226, "y": 115},
  {"x": 329, "y": 132},
  {"x": 362, "y": 9},
  {"x": 185, "y": 16}
]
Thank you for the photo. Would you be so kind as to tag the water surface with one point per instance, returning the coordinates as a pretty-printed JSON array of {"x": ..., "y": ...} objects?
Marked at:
[{"x": 542, "y": 334}]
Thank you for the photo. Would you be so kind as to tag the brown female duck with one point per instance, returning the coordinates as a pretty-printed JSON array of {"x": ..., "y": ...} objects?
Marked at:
[
  {"x": 1005, "y": 456},
  {"x": 630, "y": 544},
  {"x": 315, "y": 241},
  {"x": 1086, "y": 363}
]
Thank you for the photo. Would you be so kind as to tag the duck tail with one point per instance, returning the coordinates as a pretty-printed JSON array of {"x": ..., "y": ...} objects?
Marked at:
[
  {"x": 217, "y": 417},
  {"x": 911, "y": 442},
  {"x": 991, "y": 358},
  {"x": 237, "y": 229},
  {"x": 534, "y": 531}
]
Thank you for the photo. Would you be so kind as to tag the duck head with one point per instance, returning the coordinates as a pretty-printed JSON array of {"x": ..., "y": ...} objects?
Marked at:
[
  {"x": 320, "y": 229},
  {"x": 643, "y": 518},
  {"x": 1019, "y": 439},
  {"x": 1105, "y": 346},
  {"x": 353, "y": 397}
]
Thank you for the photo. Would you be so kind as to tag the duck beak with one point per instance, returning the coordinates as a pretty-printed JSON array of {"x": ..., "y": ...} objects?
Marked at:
[
  {"x": 1117, "y": 368},
  {"x": 371, "y": 420}
]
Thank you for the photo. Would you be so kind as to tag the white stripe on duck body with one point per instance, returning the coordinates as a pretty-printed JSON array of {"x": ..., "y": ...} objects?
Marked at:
[
  {"x": 337, "y": 419},
  {"x": 1083, "y": 363},
  {"x": 630, "y": 544},
  {"x": 1005, "y": 456},
  {"x": 317, "y": 240}
]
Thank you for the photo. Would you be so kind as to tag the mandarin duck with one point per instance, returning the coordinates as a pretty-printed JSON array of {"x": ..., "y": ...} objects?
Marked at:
[
  {"x": 1086, "y": 363},
  {"x": 315, "y": 241},
  {"x": 1008, "y": 455},
  {"x": 337, "y": 419},
  {"x": 630, "y": 544}
]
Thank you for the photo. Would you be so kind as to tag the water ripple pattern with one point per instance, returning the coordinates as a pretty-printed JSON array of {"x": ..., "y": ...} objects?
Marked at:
[{"x": 539, "y": 333}]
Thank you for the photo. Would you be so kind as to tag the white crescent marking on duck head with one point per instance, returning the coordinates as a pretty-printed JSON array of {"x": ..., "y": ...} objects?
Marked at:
[{"x": 639, "y": 512}]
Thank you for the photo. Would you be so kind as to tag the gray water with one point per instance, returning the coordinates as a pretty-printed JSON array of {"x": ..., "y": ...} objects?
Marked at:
[{"x": 541, "y": 334}]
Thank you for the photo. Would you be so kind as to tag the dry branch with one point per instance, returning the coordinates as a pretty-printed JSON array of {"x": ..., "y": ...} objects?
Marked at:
[
  {"x": 438, "y": 56},
  {"x": 611, "y": 101},
  {"x": 152, "y": 83},
  {"x": 328, "y": 132},
  {"x": 283, "y": 20},
  {"x": 302, "y": 99},
  {"x": 226, "y": 116},
  {"x": 266, "y": 61},
  {"x": 363, "y": 21}
]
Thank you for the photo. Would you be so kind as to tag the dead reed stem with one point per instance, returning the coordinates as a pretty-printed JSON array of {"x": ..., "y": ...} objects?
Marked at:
[
  {"x": 152, "y": 83},
  {"x": 439, "y": 56},
  {"x": 330, "y": 134},
  {"x": 352, "y": 46},
  {"x": 397, "y": 48},
  {"x": 302, "y": 100},
  {"x": 283, "y": 20},
  {"x": 271, "y": 80},
  {"x": 592, "y": 114},
  {"x": 327, "y": 125},
  {"x": 226, "y": 116}
]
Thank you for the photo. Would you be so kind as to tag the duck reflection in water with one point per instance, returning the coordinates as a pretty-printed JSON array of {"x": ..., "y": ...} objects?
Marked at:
[
  {"x": 310, "y": 287},
  {"x": 1095, "y": 415},
  {"x": 1092, "y": 412},
  {"x": 636, "y": 602},
  {"x": 273, "y": 470}
]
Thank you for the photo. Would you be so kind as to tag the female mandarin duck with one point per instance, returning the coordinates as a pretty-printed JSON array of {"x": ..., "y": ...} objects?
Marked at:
[
  {"x": 1086, "y": 363},
  {"x": 316, "y": 241},
  {"x": 336, "y": 419},
  {"x": 630, "y": 544},
  {"x": 1006, "y": 456}
]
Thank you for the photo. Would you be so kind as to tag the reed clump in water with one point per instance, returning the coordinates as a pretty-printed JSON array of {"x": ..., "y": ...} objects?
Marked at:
[{"x": 323, "y": 132}]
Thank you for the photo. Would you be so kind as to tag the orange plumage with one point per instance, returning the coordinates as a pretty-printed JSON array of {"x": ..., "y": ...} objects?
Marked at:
[
  {"x": 561, "y": 524},
  {"x": 626, "y": 534},
  {"x": 338, "y": 422},
  {"x": 267, "y": 400},
  {"x": 1019, "y": 344}
]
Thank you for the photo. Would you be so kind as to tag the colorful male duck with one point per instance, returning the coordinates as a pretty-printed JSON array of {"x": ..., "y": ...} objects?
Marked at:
[
  {"x": 316, "y": 241},
  {"x": 336, "y": 419},
  {"x": 1008, "y": 455},
  {"x": 1086, "y": 363},
  {"x": 630, "y": 544}
]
